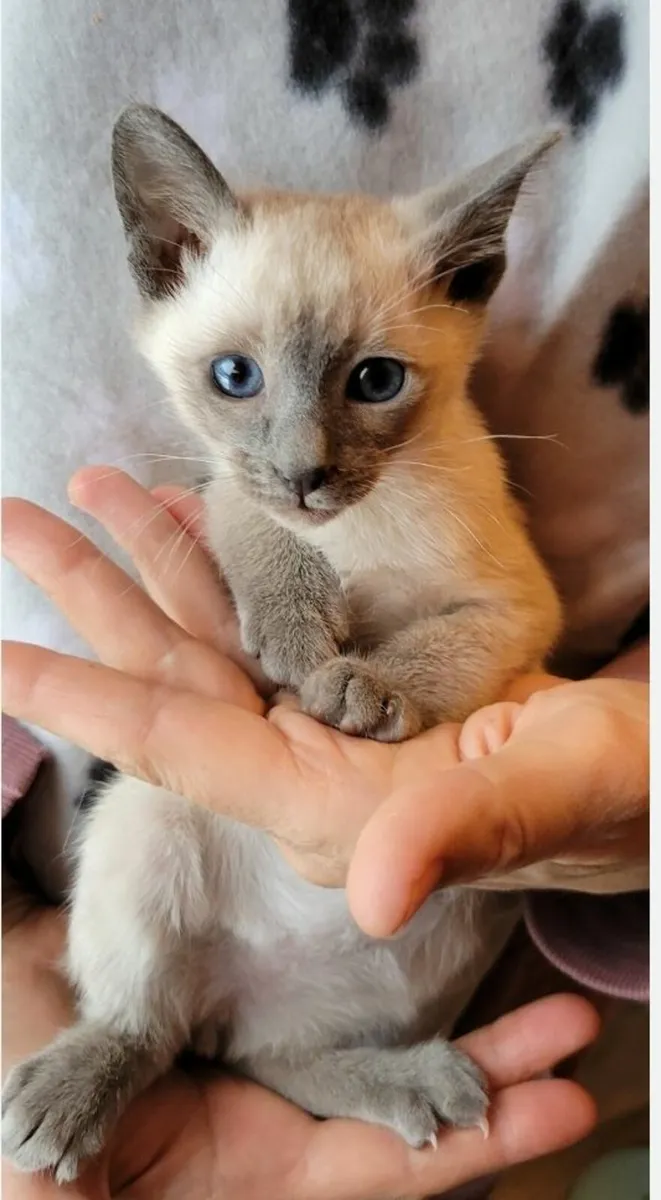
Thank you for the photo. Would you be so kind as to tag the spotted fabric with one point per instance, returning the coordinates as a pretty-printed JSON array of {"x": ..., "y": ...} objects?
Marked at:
[{"x": 380, "y": 95}]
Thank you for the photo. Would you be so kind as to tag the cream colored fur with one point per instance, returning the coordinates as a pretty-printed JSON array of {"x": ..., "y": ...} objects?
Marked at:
[{"x": 188, "y": 928}]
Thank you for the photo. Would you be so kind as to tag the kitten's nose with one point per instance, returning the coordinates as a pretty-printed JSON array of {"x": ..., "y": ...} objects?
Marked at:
[{"x": 305, "y": 482}]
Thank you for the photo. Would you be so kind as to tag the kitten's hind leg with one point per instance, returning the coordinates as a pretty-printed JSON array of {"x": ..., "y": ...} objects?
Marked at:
[
  {"x": 59, "y": 1105},
  {"x": 138, "y": 907},
  {"x": 409, "y": 1089}
]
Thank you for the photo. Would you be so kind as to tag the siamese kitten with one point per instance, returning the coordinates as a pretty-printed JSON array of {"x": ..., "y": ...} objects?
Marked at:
[{"x": 320, "y": 347}]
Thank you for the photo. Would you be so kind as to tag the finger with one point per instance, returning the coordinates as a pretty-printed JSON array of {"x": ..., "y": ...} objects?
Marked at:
[
  {"x": 187, "y": 510},
  {"x": 526, "y": 1121},
  {"x": 487, "y": 730},
  {"x": 108, "y": 609},
  {"x": 100, "y": 601},
  {"x": 348, "y": 1158},
  {"x": 524, "y": 804},
  {"x": 533, "y": 1039},
  {"x": 181, "y": 741},
  {"x": 172, "y": 564}
]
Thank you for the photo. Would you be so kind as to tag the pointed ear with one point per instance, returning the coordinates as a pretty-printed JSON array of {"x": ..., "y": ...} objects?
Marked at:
[
  {"x": 170, "y": 196},
  {"x": 460, "y": 228}
]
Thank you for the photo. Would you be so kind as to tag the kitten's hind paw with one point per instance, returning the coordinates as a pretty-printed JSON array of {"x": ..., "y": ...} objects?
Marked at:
[
  {"x": 438, "y": 1086},
  {"x": 58, "y": 1105}
]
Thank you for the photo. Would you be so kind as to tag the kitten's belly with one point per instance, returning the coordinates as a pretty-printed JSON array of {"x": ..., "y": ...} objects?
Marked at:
[
  {"x": 303, "y": 977},
  {"x": 296, "y": 996}
]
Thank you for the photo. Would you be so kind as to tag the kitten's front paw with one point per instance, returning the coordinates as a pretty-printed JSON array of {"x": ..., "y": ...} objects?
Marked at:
[
  {"x": 51, "y": 1116},
  {"x": 350, "y": 695},
  {"x": 288, "y": 645}
]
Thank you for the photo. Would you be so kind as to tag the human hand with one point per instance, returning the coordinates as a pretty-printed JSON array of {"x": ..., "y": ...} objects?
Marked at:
[
  {"x": 552, "y": 792},
  {"x": 168, "y": 702},
  {"x": 414, "y": 813},
  {"x": 202, "y": 1134}
]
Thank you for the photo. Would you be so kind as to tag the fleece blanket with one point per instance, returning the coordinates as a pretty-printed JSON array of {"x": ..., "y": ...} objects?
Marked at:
[{"x": 382, "y": 95}]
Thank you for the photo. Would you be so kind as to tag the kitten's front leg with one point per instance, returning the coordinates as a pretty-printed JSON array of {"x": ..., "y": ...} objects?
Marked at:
[
  {"x": 438, "y": 669},
  {"x": 410, "y": 1089},
  {"x": 290, "y": 604}
]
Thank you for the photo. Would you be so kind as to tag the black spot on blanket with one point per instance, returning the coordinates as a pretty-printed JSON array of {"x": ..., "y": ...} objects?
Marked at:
[
  {"x": 623, "y": 358},
  {"x": 322, "y": 38},
  {"x": 364, "y": 48},
  {"x": 586, "y": 57}
]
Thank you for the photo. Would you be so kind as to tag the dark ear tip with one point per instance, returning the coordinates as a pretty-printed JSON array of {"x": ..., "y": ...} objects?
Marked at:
[
  {"x": 139, "y": 121},
  {"x": 547, "y": 139},
  {"x": 128, "y": 125},
  {"x": 554, "y": 135},
  {"x": 131, "y": 115}
]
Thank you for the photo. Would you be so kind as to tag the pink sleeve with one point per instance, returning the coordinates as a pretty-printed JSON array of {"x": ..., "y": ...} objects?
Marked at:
[
  {"x": 22, "y": 756},
  {"x": 602, "y": 942}
]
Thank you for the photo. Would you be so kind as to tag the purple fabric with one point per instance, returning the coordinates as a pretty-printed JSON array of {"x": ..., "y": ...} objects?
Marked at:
[
  {"x": 602, "y": 942},
  {"x": 22, "y": 756}
]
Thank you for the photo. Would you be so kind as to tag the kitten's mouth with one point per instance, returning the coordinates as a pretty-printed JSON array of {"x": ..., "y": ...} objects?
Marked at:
[
  {"x": 302, "y": 512},
  {"x": 298, "y": 508}
]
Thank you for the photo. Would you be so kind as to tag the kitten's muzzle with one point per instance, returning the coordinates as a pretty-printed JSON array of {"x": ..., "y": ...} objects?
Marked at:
[{"x": 303, "y": 484}]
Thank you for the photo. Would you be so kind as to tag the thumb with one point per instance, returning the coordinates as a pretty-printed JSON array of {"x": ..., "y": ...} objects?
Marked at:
[{"x": 522, "y": 804}]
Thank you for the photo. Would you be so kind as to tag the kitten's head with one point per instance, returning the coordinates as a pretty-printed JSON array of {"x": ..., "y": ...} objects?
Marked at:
[{"x": 307, "y": 338}]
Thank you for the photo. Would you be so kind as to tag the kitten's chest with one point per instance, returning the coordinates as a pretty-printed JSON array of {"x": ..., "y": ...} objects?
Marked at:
[{"x": 395, "y": 567}]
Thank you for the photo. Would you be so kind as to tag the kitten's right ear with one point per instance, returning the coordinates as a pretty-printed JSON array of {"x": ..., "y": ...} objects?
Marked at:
[
  {"x": 460, "y": 228},
  {"x": 170, "y": 196}
]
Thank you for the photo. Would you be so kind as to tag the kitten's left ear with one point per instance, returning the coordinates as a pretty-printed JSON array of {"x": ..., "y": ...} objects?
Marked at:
[
  {"x": 170, "y": 197},
  {"x": 460, "y": 228}
]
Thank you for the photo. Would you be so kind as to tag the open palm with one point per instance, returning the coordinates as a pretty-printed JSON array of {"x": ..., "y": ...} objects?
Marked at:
[
  {"x": 199, "y": 1135},
  {"x": 174, "y": 701}
]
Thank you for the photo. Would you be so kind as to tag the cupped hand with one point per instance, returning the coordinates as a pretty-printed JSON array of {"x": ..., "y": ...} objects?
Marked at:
[
  {"x": 558, "y": 773},
  {"x": 202, "y": 1134}
]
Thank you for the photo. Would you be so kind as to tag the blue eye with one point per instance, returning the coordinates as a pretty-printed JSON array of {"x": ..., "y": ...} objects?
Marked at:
[
  {"x": 375, "y": 380},
  {"x": 237, "y": 376}
]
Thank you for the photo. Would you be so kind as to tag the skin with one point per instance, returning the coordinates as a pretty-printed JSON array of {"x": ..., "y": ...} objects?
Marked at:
[
  {"x": 202, "y": 1135},
  {"x": 170, "y": 701}
]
